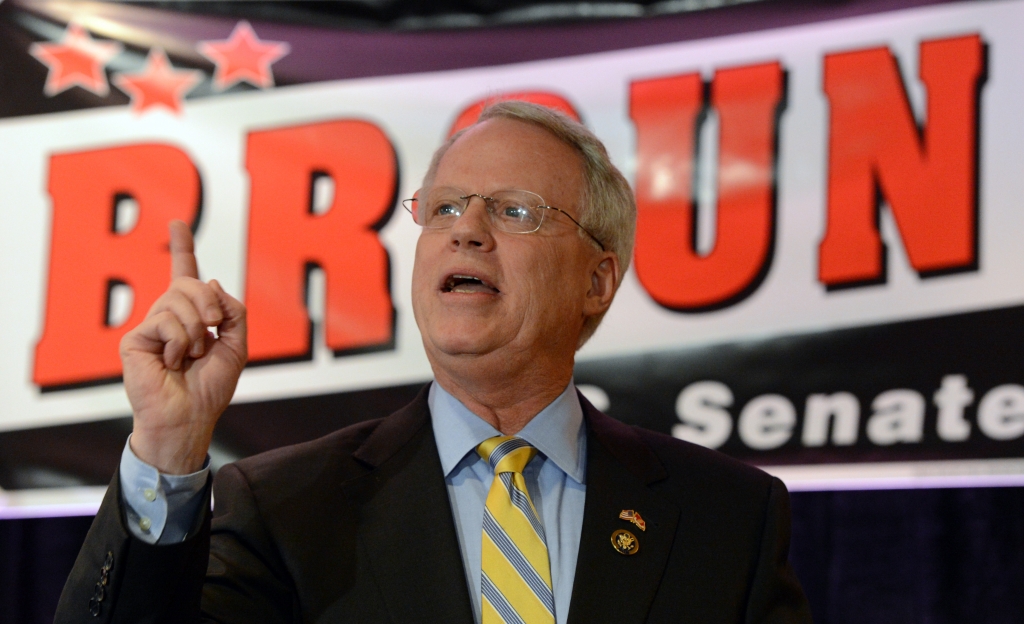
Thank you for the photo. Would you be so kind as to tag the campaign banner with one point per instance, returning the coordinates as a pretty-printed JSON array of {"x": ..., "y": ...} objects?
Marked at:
[{"x": 826, "y": 280}]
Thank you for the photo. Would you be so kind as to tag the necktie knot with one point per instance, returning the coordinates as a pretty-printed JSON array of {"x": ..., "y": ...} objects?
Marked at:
[{"x": 506, "y": 453}]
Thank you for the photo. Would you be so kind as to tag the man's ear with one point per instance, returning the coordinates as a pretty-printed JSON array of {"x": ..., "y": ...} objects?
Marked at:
[{"x": 604, "y": 281}]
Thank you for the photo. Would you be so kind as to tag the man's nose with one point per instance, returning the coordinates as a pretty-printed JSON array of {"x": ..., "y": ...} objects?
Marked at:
[{"x": 473, "y": 229}]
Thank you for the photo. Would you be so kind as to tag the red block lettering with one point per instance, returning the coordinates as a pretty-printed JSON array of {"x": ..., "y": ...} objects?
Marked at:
[
  {"x": 471, "y": 113},
  {"x": 877, "y": 150},
  {"x": 666, "y": 113},
  {"x": 286, "y": 237},
  {"x": 87, "y": 255}
]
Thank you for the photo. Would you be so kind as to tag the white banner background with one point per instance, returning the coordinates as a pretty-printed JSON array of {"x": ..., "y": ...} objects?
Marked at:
[{"x": 416, "y": 111}]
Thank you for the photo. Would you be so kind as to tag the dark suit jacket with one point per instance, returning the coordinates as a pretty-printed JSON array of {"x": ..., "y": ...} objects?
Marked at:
[{"x": 357, "y": 527}]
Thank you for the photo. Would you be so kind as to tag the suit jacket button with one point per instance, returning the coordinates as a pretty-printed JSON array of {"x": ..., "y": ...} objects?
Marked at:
[
  {"x": 94, "y": 607},
  {"x": 108, "y": 562}
]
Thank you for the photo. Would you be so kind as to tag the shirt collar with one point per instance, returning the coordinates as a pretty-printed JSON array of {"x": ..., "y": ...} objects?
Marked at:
[{"x": 557, "y": 431}]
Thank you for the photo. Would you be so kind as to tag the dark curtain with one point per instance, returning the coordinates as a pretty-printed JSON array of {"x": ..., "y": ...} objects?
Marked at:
[
  {"x": 905, "y": 556},
  {"x": 36, "y": 556},
  {"x": 911, "y": 556}
]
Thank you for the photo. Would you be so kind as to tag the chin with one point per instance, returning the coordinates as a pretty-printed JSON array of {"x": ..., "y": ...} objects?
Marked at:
[
  {"x": 455, "y": 341},
  {"x": 460, "y": 346}
]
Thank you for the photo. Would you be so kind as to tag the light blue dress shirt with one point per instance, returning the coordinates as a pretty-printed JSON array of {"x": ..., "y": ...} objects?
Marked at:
[
  {"x": 162, "y": 508},
  {"x": 555, "y": 478}
]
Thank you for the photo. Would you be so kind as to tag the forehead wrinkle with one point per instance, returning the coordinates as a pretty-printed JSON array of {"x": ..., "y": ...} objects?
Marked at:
[{"x": 541, "y": 145}]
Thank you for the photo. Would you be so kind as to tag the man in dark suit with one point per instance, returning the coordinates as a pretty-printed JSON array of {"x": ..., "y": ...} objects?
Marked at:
[{"x": 498, "y": 495}]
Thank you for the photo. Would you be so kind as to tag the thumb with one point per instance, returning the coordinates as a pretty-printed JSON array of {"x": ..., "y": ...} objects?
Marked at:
[{"x": 232, "y": 330}]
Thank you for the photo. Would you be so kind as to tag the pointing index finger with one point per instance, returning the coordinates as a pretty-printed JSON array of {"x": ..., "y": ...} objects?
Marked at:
[{"x": 183, "y": 259}]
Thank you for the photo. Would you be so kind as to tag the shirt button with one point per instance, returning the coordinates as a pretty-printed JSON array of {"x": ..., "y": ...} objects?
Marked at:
[
  {"x": 149, "y": 494},
  {"x": 145, "y": 523}
]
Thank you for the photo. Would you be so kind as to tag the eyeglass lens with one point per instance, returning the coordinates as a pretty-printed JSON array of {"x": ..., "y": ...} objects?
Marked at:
[{"x": 511, "y": 211}]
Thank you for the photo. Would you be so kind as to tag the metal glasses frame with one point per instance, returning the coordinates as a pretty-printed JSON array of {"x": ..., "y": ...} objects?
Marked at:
[{"x": 489, "y": 202}]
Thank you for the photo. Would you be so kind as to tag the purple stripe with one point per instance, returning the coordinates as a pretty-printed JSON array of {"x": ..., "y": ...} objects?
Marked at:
[{"x": 320, "y": 53}]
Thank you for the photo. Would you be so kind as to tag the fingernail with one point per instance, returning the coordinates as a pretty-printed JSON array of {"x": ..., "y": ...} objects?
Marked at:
[
  {"x": 213, "y": 315},
  {"x": 197, "y": 348}
]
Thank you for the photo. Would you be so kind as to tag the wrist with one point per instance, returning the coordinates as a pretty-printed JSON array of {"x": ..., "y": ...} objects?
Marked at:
[{"x": 169, "y": 452}]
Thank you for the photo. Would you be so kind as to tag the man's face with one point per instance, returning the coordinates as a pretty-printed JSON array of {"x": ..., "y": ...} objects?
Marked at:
[{"x": 532, "y": 294}]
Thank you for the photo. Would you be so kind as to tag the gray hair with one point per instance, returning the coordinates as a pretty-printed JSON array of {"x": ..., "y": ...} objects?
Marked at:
[{"x": 607, "y": 208}]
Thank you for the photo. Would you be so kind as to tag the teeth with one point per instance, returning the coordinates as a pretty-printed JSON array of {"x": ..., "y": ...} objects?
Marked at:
[
  {"x": 455, "y": 280},
  {"x": 466, "y": 283}
]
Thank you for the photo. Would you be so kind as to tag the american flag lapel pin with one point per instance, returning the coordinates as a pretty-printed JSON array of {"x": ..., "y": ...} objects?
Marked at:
[{"x": 634, "y": 517}]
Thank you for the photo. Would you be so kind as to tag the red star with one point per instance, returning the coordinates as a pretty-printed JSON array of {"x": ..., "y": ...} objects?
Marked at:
[
  {"x": 77, "y": 60},
  {"x": 158, "y": 84},
  {"x": 242, "y": 56}
]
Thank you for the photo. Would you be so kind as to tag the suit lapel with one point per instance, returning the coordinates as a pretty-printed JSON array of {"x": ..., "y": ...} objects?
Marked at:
[
  {"x": 408, "y": 532},
  {"x": 407, "y": 527},
  {"x": 609, "y": 586}
]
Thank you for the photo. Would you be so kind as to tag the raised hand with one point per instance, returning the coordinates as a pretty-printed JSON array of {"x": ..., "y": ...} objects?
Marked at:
[{"x": 179, "y": 376}]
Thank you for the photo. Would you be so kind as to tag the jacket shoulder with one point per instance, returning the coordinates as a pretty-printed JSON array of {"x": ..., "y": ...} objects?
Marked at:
[
  {"x": 696, "y": 463},
  {"x": 281, "y": 472},
  {"x": 337, "y": 457},
  {"x": 682, "y": 471}
]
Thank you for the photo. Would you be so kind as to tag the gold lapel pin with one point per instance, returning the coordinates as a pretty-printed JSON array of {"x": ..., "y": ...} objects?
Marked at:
[
  {"x": 634, "y": 517},
  {"x": 624, "y": 542}
]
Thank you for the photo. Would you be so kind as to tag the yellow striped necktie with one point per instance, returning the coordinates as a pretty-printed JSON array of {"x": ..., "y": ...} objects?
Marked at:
[{"x": 515, "y": 576}]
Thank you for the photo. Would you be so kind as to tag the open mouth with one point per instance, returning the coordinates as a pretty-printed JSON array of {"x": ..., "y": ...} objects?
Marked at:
[{"x": 468, "y": 284}]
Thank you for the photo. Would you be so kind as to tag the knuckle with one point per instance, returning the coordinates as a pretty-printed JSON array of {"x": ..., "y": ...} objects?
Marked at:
[
  {"x": 200, "y": 293},
  {"x": 156, "y": 318},
  {"x": 195, "y": 330},
  {"x": 167, "y": 299},
  {"x": 186, "y": 287},
  {"x": 177, "y": 339},
  {"x": 171, "y": 327},
  {"x": 124, "y": 346},
  {"x": 165, "y": 318}
]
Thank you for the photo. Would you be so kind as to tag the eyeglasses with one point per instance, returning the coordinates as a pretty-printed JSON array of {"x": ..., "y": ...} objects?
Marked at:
[{"x": 513, "y": 211}]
